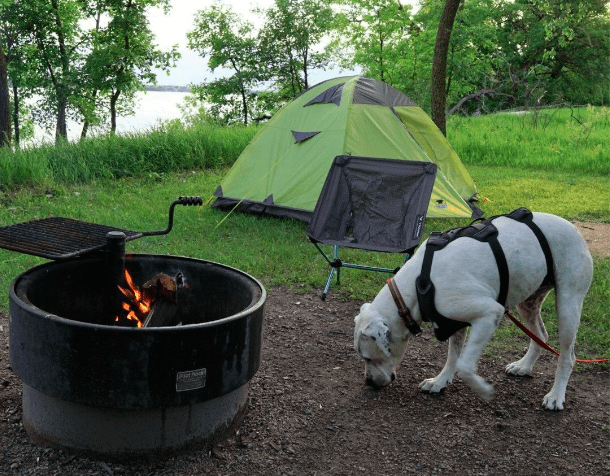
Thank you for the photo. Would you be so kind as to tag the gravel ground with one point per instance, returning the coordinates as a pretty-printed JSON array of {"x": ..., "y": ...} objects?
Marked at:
[{"x": 311, "y": 413}]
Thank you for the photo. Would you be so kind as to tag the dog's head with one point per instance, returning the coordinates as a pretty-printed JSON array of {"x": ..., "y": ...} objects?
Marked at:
[{"x": 379, "y": 346}]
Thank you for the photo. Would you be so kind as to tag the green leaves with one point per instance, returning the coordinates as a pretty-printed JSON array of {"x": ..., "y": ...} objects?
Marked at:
[
  {"x": 377, "y": 32},
  {"x": 279, "y": 56},
  {"x": 523, "y": 52},
  {"x": 86, "y": 58},
  {"x": 226, "y": 41}
]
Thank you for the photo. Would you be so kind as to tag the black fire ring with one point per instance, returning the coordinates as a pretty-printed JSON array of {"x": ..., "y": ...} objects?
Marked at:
[{"x": 101, "y": 389}]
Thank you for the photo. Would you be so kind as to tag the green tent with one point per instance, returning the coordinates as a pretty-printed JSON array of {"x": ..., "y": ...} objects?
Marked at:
[{"x": 282, "y": 171}]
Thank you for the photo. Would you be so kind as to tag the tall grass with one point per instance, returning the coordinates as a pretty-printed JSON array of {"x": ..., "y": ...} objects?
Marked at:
[
  {"x": 167, "y": 148},
  {"x": 574, "y": 140},
  {"x": 18, "y": 169}
]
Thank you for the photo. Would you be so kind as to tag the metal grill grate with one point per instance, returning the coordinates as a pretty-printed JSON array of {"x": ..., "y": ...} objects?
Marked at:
[{"x": 57, "y": 237}]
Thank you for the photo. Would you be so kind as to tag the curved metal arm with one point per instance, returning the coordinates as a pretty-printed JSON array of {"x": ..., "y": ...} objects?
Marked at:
[{"x": 187, "y": 201}]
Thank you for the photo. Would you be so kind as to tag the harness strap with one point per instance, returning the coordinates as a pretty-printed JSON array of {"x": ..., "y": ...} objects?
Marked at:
[
  {"x": 443, "y": 327},
  {"x": 484, "y": 231},
  {"x": 494, "y": 244},
  {"x": 526, "y": 217},
  {"x": 435, "y": 243}
]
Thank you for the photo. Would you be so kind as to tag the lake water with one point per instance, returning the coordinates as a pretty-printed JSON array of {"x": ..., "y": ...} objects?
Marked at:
[{"x": 153, "y": 107}]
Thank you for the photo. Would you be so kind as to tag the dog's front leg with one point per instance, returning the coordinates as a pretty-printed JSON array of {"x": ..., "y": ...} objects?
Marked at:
[
  {"x": 480, "y": 334},
  {"x": 436, "y": 384}
]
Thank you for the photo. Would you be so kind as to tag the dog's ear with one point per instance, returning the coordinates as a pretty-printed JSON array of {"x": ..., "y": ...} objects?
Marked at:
[{"x": 381, "y": 334}]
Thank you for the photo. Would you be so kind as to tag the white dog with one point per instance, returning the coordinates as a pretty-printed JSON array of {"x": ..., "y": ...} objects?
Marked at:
[{"x": 467, "y": 282}]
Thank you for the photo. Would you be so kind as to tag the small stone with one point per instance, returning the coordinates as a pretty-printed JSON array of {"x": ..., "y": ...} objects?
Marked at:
[
  {"x": 217, "y": 453},
  {"x": 275, "y": 446}
]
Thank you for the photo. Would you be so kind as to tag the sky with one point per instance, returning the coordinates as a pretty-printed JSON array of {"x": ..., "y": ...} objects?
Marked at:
[{"x": 171, "y": 29}]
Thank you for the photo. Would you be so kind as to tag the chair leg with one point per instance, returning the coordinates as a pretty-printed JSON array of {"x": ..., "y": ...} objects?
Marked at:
[
  {"x": 328, "y": 283},
  {"x": 336, "y": 264},
  {"x": 336, "y": 256},
  {"x": 335, "y": 267}
]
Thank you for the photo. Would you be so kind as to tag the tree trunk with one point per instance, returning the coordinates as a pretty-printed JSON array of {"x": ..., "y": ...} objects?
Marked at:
[
  {"x": 305, "y": 67},
  {"x": 61, "y": 129},
  {"x": 5, "y": 112},
  {"x": 86, "y": 123},
  {"x": 244, "y": 103},
  {"x": 438, "y": 93},
  {"x": 16, "y": 114},
  {"x": 113, "y": 100}
]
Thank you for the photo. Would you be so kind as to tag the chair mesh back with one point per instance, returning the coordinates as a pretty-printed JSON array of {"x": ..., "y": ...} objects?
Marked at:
[{"x": 373, "y": 204}]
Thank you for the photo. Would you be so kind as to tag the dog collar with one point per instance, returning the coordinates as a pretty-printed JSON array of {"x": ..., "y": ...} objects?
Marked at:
[{"x": 403, "y": 310}]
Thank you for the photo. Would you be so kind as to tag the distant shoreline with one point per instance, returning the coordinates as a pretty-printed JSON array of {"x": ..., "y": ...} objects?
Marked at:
[{"x": 171, "y": 89}]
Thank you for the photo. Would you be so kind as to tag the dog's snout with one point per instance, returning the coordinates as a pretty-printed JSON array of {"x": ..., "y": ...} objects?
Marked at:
[{"x": 377, "y": 384}]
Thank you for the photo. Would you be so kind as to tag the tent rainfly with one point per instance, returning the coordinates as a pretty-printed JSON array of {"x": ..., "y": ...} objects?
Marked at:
[{"x": 282, "y": 170}]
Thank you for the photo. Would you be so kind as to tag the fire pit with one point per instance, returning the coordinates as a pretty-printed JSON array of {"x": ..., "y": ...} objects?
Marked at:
[{"x": 104, "y": 389}]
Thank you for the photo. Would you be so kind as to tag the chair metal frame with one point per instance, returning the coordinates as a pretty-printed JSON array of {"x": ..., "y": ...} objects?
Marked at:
[{"x": 336, "y": 264}]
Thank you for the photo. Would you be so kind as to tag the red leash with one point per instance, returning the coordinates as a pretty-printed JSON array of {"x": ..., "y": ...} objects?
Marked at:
[{"x": 544, "y": 345}]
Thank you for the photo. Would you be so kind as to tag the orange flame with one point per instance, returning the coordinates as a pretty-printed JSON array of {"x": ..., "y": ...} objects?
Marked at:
[{"x": 138, "y": 306}]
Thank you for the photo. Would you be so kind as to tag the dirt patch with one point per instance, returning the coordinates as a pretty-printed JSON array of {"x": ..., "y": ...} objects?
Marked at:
[
  {"x": 597, "y": 236},
  {"x": 311, "y": 413}
]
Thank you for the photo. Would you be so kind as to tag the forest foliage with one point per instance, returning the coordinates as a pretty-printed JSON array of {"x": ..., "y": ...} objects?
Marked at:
[
  {"x": 82, "y": 60},
  {"x": 85, "y": 59}
]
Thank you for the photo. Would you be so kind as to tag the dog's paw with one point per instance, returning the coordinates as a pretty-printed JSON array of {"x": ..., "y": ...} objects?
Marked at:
[
  {"x": 478, "y": 384},
  {"x": 434, "y": 385},
  {"x": 485, "y": 391},
  {"x": 552, "y": 401},
  {"x": 518, "y": 368}
]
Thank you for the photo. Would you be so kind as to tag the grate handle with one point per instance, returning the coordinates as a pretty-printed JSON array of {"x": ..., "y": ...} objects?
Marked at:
[{"x": 187, "y": 201}]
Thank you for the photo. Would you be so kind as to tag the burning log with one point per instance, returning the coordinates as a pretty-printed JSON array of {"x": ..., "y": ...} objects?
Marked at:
[
  {"x": 154, "y": 304},
  {"x": 163, "y": 314},
  {"x": 162, "y": 290}
]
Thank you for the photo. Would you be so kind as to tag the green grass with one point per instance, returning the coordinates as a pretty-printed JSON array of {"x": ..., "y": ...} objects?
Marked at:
[
  {"x": 571, "y": 195},
  {"x": 571, "y": 140},
  {"x": 574, "y": 140},
  {"x": 167, "y": 148}
]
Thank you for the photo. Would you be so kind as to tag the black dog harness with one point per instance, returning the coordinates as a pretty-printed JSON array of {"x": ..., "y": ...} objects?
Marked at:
[{"x": 484, "y": 231}]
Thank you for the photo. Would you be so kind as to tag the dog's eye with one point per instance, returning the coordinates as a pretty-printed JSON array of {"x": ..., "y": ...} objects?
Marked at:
[{"x": 366, "y": 359}]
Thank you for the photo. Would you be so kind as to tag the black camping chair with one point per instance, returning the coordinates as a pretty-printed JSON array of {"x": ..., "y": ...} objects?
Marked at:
[{"x": 372, "y": 204}]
